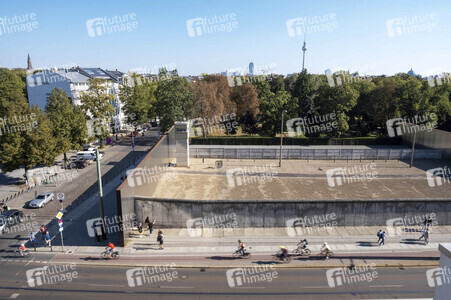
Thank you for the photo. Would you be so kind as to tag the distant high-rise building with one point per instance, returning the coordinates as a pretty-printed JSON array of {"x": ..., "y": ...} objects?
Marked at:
[
  {"x": 29, "y": 65},
  {"x": 251, "y": 69},
  {"x": 304, "y": 49}
]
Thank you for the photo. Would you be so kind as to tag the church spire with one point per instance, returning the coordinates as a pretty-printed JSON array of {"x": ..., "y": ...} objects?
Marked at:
[{"x": 29, "y": 65}]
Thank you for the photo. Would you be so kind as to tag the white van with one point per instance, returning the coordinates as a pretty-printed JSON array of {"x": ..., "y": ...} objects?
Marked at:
[{"x": 85, "y": 155}]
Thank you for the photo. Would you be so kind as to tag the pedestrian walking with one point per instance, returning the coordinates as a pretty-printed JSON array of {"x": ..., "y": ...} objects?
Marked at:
[
  {"x": 43, "y": 230},
  {"x": 150, "y": 224},
  {"x": 140, "y": 229},
  {"x": 426, "y": 237},
  {"x": 425, "y": 222},
  {"x": 423, "y": 235},
  {"x": 160, "y": 239},
  {"x": 33, "y": 240},
  {"x": 379, "y": 233},
  {"x": 35, "y": 193},
  {"x": 383, "y": 237},
  {"x": 133, "y": 146},
  {"x": 429, "y": 222}
]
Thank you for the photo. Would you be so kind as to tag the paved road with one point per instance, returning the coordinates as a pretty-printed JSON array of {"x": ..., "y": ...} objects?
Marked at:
[
  {"x": 76, "y": 219},
  {"x": 112, "y": 283}
]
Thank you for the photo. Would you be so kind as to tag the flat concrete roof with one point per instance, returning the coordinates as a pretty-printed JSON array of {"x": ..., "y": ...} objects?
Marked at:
[
  {"x": 329, "y": 147},
  {"x": 300, "y": 180}
]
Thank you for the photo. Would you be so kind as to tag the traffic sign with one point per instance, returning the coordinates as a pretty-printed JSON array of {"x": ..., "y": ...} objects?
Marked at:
[
  {"x": 60, "y": 197},
  {"x": 59, "y": 215}
]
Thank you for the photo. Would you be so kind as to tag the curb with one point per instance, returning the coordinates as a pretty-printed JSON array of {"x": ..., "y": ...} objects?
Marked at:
[{"x": 282, "y": 266}]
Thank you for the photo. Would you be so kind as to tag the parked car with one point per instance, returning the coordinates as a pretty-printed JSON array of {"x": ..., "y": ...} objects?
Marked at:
[
  {"x": 41, "y": 200},
  {"x": 10, "y": 217},
  {"x": 77, "y": 164},
  {"x": 3, "y": 224},
  {"x": 85, "y": 155}
]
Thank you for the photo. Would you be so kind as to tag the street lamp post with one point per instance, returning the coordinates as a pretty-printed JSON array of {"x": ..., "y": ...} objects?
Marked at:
[
  {"x": 99, "y": 176},
  {"x": 281, "y": 140}
]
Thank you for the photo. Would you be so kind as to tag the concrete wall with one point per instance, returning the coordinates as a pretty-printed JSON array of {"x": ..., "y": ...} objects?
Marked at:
[
  {"x": 442, "y": 278},
  {"x": 435, "y": 139},
  {"x": 174, "y": 213},
  {"x": 136, "y": 184},
  {"x": 268, "y": 153}
]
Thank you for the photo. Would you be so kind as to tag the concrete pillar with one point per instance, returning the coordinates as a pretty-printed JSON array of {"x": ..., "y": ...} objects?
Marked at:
[{"x": 182, "y": 144}]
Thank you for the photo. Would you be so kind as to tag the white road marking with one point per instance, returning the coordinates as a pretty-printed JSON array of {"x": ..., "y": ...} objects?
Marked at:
[
  {"x": 315, "y": 287},
  {"x": 13, "y": 296},
  {"x": 177, "y": 287},
  {"x": 106, "y": 285},
  {"x": 388, "y": 285}
]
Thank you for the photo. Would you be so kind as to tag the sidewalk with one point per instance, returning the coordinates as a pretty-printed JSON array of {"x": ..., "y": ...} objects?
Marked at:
[{"x": 402, "y": 250}]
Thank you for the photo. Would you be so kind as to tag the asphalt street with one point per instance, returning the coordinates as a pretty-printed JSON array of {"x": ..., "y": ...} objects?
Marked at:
[{"x": 113, "y": 283}]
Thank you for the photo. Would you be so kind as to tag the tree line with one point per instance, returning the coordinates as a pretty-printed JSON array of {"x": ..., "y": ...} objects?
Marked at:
[{"x": 360, "y": 106}]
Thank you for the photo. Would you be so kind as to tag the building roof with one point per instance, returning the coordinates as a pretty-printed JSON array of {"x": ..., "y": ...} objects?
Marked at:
[{"x": 296, "y": 180}]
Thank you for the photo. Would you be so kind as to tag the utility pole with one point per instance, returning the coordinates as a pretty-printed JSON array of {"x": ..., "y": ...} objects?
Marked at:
[
  {"x": 99, "y": 176},
  {"x": 281, "y": 140},
  {"x": 413, "y": 146}
]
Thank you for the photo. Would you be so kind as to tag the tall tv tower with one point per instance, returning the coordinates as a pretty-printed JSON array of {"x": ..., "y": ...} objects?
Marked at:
[{"x": 304, "y": 49}]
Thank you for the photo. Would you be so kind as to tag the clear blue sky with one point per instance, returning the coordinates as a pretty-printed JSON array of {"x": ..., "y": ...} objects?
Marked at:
[{"x": 360, "y": 42}]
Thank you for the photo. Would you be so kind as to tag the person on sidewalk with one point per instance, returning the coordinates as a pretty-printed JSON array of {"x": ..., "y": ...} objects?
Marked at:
[
  {"x": 33, "y": 240},
  {"x": 43, "y": 230},
  {"x": 160, "y": 239},
  {"x": 149, "y": 225},
  {"x": 424, "y": 232},
  {"x": 140, "y": 229},
  {"x": 426, "y": 237},
  {"x": 425, "y": 222},
  {"x": 379, "y": 233},
  {"x": 383, "y": 237},
  {"x": 47, "y": 239},
  {"x": 429, "y": 222}
]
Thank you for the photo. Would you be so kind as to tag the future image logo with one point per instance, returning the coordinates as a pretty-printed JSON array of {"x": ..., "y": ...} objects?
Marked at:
[
  {"x": 340, "y": 276},
  {"x": 438, "y": 176},
  {"x": 408, "y": 25},
  {"x": 438, "y": 276},
  {"x": 208, "y": 25},
  {"x": 107, "y": 25}
]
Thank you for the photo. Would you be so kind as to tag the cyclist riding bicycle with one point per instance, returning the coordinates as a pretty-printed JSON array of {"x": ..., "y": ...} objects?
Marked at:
[
  {"x": 111, "y": 248},
  {"x": 283, "y": 253},
  {"x": 326, "y": 249},
  {"x": 22, "y": 249},
  {"x": 302, "y": 244},
  {"x": 241, "y": 246}
]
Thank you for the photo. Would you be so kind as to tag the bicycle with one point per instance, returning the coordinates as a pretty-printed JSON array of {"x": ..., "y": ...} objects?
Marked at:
[
  {"x": 238, "y": 254},
  {"x": 106, "y": 255},
  {"x": 302, "y": 251},
  {"x": 326, "y": 253},
  {"x": 280, "y": 258},
  {"x": 24, "y": 253}
]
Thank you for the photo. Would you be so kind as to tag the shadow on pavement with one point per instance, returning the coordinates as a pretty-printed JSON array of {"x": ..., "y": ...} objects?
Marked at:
[
  {"x": 224, "y": 258},
  {"x": 412, "y": 242},
  {"x": 366, "y": 244}
]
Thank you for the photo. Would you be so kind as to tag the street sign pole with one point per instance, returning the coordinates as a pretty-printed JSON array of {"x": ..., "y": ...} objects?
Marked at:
[
  {"x": 59, "y": 216},
  {"x": 99, "y": 176}
]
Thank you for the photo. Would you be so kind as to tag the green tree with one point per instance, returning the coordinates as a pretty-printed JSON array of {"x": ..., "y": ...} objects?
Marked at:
[
  {"x": 338, "y": 100},
  {"x": 95, "y": 102},
  {"x": 174, "y": 101},
  {"x": 139, "y": 98},
  {"x": 68, "y": 122},
  {"x": 271, "y": 111}
]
